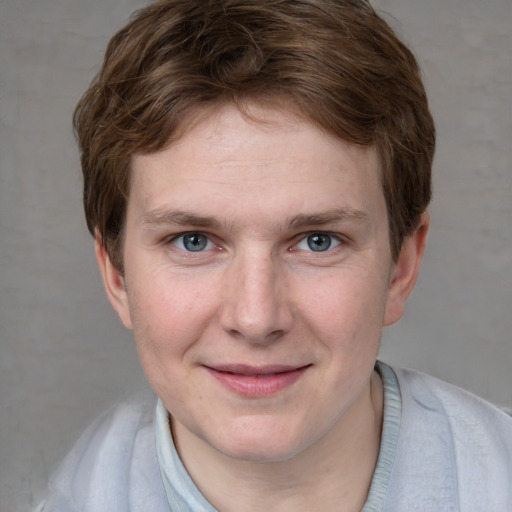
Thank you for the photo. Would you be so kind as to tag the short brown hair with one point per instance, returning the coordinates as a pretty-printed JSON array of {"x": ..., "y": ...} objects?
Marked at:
[{"x": 336, "y": 61}]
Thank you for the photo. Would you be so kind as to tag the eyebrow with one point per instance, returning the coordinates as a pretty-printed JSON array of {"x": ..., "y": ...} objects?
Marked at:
[
  {"x": 180, "y": 218},
  {"x": 184, "y": 218},
  {"x": 328, "y": 217}
]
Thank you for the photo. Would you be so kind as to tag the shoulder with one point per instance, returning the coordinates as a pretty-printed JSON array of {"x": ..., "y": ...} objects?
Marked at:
[
  {"x": 463, "y": 409},
  {"x": 113, "y": 466},
  {"x": 456, "y": 439}
]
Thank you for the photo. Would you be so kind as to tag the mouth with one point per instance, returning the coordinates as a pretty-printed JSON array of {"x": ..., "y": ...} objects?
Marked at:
[{"x": 256, "y": 382}]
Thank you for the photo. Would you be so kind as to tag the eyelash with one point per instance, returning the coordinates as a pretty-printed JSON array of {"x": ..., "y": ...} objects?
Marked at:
[
  {"x": 181, "y": 237},
  {"x": 304, "y": 238}
]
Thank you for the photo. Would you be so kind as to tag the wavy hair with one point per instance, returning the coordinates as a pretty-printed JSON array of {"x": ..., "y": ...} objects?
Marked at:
[{"x": 336, "y": 61}]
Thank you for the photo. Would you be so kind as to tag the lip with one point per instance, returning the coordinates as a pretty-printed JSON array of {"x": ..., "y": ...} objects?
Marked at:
[{"x": 256, "y": 382}]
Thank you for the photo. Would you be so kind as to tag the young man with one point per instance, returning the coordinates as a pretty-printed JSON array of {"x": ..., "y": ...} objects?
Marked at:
[{"x": 256, "y": 177}]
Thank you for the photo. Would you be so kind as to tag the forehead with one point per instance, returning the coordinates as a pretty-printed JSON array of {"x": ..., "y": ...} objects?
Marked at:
[{"x": 229, "y": 158}]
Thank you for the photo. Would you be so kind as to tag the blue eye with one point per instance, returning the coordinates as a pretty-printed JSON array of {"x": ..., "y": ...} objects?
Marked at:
[
  {"x": 318, "y": 242},
  {"x": 193, "y": 242}
]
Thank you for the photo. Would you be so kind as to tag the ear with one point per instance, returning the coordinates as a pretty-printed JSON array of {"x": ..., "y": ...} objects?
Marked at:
[
  {"x": 405, "y": 271},
  {"x": 113, "y": 281}
]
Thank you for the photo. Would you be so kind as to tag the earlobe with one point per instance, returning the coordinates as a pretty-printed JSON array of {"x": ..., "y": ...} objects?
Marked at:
[
  {"x": 113, "y": 282},
  {"x": 406, "y": 270}
]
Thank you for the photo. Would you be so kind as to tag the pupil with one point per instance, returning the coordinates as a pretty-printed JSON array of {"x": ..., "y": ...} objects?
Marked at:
[
  {"x": 194, "y": 242},
  {"x": 319, "y": 242}
]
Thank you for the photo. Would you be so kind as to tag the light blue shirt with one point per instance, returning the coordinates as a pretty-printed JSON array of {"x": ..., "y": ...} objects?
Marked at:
[{"x": 442, "y": 450}]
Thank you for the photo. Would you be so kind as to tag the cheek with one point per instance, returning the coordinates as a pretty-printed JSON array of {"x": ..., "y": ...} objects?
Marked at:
[
  {"x": 168, "y": 323},
  {"x": 169, "y": 313},
  {"x": 346, "y": 308}
]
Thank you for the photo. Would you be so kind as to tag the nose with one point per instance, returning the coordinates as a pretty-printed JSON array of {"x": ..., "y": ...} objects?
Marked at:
[{"x": 256, "y": 307}]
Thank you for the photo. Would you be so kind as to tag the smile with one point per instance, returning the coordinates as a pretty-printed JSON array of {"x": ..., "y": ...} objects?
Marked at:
[{"x": 252, "y": 382}]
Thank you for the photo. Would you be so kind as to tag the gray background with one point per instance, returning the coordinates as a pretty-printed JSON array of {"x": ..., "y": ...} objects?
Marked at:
[{"x": 63, "y": 354}]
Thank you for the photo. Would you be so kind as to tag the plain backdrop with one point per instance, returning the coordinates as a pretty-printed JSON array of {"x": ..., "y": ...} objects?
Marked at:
[{"x": 64, "y": 355}]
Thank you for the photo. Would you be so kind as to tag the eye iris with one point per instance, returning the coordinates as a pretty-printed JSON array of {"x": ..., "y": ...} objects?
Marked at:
[
  {"x": 195, "y": 242},
  {"x": 319, "y": 242}
]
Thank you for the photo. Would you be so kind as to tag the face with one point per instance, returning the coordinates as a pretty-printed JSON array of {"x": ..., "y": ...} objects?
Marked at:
[{"x": 258, "y": 278}]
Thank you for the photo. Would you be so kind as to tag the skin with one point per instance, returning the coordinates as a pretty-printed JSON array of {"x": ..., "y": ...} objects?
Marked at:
[{"x": 256, "y": 194}]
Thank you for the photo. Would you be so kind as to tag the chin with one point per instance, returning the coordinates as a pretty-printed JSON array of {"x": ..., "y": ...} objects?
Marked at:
[
  {"x": 261, "y": 453},
  {"x": 261, "y": 444}
]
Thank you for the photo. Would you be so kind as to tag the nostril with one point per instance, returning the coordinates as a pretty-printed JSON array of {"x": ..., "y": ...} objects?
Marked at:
[{"x": 255, "y": 338}]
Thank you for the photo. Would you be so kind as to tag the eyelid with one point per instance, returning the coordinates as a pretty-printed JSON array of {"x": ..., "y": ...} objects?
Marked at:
[
  {"x": 339, "y": 239},
  {"x": 172, "y": 240}
]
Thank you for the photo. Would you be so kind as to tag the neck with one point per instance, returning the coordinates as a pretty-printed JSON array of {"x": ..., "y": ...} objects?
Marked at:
[{"x": 333, "y": 474}]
